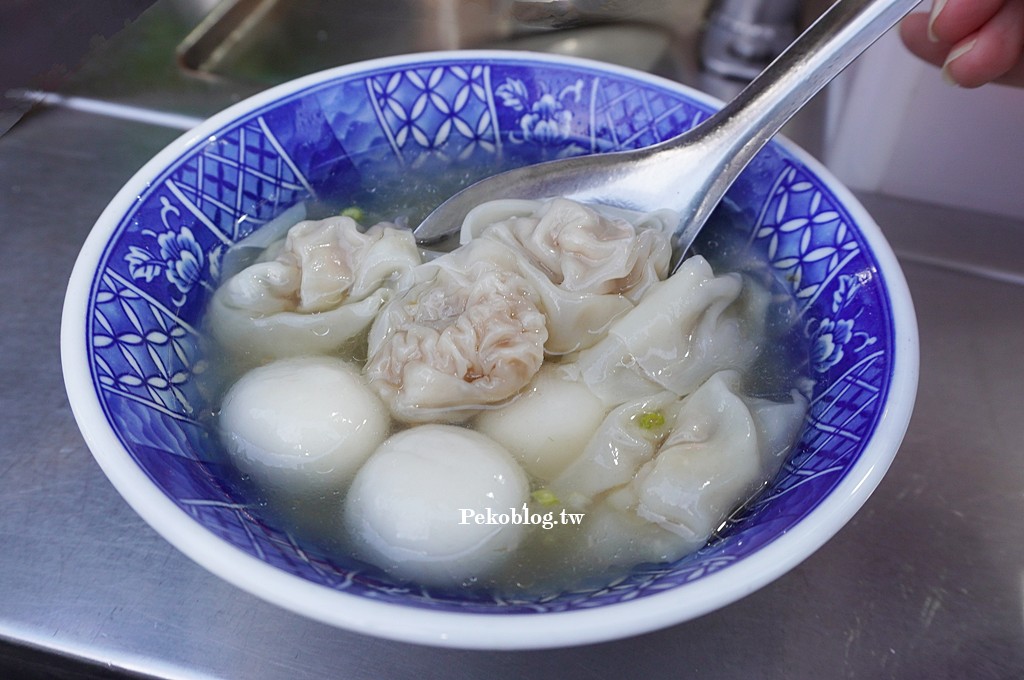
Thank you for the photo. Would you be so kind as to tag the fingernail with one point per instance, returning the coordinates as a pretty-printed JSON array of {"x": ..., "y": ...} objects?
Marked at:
[
  {"x": 955, "y": 54},
  {"x": 937, "y": 6}
]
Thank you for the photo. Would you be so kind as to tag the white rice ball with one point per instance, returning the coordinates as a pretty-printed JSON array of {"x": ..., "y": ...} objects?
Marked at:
[
  {"x": 302, "y": 425},
  {"x": 548, "y": 425},
  {"x": 413, "y": 508}
]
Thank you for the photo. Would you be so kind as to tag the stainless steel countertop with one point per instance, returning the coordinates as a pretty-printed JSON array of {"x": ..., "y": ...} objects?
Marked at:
[{"x": 927, "y": 581}]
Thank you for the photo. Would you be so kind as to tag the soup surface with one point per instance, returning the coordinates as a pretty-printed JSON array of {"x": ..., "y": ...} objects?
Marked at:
[{"x": 541, "y": 408}]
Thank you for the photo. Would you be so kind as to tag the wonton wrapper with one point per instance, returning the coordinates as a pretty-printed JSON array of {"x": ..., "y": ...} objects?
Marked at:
[
  {"x": 317, "y": 295},
  {"x": 467, "y": 334},
  {"x": 686, "y": 328},
  {"x": 721, "y": 447},
  {"x": 589, "y": 267},
  {"x": 624, "y": 441}
]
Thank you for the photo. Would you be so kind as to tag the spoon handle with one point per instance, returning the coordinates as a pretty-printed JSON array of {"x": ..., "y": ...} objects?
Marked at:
[{"x": 729, "y": 139}]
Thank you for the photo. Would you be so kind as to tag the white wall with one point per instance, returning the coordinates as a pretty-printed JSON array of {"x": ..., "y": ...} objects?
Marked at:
[{"x": 895, "y": 127}]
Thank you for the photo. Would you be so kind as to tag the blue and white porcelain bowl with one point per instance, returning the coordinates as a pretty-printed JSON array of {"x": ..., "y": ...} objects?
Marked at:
[{"x": 425, "y": 124}]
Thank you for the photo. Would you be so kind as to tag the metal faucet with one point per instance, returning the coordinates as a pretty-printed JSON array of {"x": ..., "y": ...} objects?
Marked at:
[{"x": 741, "y": 37}]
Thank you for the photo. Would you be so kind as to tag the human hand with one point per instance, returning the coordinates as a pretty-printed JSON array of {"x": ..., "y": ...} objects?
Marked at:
[{"x": 974, "y": 41}]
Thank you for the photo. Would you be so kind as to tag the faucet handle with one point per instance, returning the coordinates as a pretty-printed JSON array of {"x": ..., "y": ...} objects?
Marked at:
[{"x": 741, "y": 37}]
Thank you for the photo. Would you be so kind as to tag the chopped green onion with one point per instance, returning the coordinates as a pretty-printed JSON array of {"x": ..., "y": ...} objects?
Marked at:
[
  {"x": 545, "y": 497},
  {"x": 649, "y": 420},
  {"x": 354, "y": 212}
]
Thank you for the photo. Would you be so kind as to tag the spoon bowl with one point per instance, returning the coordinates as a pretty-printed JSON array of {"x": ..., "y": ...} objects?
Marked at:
[{"x": 690, "y": 173}]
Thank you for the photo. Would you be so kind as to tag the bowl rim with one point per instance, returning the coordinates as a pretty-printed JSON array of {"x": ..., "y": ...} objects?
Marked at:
[{"x": 468, "y": 630}]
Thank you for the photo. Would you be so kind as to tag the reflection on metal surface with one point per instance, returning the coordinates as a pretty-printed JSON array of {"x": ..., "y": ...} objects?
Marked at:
[
  {"x": 561, "y": 13},
  {"x": 959, "y": 266},
  {"x": 228, "y": 27},
  {"x": 639, "y": 46},
  {"x": 270, "y": 41},
  {"x": 109, "y": 109},
  {"x": 743, "y": 36}
]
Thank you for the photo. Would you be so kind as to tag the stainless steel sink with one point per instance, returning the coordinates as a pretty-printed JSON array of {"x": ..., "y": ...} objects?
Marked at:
[
  {"x": 713, "y": 45},
  {"x": 268, "y": 41},
  {"x": 926, "y": 581}
]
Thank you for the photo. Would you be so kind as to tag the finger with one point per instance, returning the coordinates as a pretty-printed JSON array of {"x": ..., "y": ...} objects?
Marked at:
[
  {"x": 993, "y": 52},
  {"x": 952, "y": 21},
  {"x": 1014, "y": 77},
  {"x": 914, "y": 33}
]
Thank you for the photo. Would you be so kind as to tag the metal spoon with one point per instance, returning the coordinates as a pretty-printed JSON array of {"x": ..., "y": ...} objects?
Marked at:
[{"x": 691, "y": 172}]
